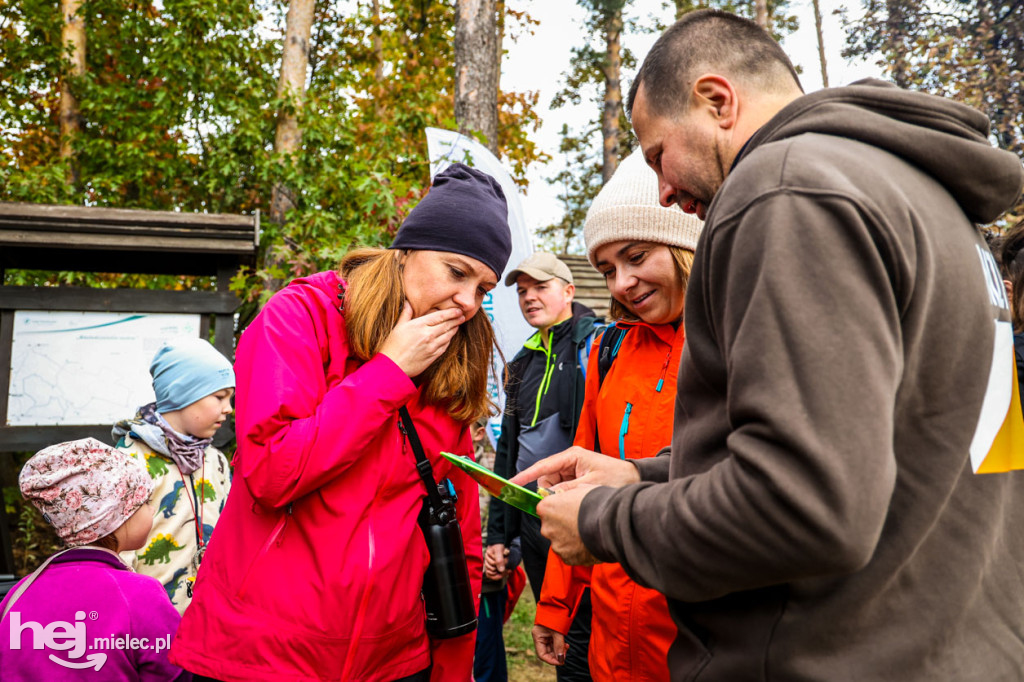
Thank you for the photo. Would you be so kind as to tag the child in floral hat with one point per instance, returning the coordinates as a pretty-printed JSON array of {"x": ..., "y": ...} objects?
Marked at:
[
  {"x": 84, "y": 610},
  {"x": 173, "y": 437}
]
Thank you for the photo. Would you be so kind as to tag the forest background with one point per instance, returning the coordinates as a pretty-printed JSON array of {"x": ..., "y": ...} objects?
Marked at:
[{"x": 313, "y": 111}]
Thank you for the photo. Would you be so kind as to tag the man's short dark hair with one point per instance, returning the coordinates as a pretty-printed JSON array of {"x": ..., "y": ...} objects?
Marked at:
[
  {"x": 710, "y": 40},
  {"x": 1012, "y": 263}
]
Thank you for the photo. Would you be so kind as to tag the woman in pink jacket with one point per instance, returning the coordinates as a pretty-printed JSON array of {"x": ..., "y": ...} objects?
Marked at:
[{"x": 317, "y": 567}]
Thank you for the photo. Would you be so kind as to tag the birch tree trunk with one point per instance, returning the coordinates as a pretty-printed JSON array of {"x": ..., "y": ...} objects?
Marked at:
[
  {"x": 73, "y": 39},
  {"x": 761, "y": 14},
  {"x": 294, "y": 63},
  {"x": 611, "y": 115},
  {"x": 378, "y": 57},
  {"x": 378, "y": 44},
  {"x": 476, "y": 69},
  {"x": 821, "y": 43},
  {"x": 287, "y": 136}
]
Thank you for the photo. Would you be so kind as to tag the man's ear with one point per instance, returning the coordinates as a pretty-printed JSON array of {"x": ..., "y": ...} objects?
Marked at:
[
  {"x": 570, "y": 290},
  {"x": 1009, "y": 289},
  {"x": 718, "y": 96}
]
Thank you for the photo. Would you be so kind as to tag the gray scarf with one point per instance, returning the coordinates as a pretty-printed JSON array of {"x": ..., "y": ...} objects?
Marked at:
[{"x": 150, "y": 427}]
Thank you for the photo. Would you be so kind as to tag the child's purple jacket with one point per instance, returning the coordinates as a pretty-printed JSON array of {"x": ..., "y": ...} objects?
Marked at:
[{"x": 88, "y": 609}]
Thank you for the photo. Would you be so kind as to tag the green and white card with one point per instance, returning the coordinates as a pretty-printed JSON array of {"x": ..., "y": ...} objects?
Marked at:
[{"x": 510, "y": 493}]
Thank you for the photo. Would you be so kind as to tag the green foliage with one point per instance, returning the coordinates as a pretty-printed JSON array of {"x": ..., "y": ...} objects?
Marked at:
[
  {"x": 107, "y": 280},
  {"x": 33, "y": 539},
  {"x": 158, "y": 85},
  {"x": 31, "y": 60},
  {"x": 579, "y": 182},
  {"x": 972, "y": 52},
  {"x": 520, "y": 623},
  {"x": 781, "y": 23},
  {"x": 178, "y": 112},
  {"x": 580, "y": 179},
  {"x": 581, "y": 176}
]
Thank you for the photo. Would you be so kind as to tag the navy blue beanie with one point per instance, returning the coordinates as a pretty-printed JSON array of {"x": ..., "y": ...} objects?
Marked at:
[{"x": 464, "y": 212}]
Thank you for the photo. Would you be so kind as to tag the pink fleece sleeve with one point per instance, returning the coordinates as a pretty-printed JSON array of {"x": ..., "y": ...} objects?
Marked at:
[
  {"x": 294, "y": 433},
  {"x": 453, "y": 658}
]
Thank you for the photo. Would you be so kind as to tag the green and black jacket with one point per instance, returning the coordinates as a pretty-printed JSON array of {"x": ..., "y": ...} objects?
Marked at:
[{"x": 540, "y": 383}]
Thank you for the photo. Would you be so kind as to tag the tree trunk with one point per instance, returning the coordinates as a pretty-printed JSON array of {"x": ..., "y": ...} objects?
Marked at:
[
  {"x": 294, "y": 64},
  {"x": 499, "y": 39},
  {"x": 895, "y": 21},
  {"x": 821, "y": 43},
  {"x": 378, "y": 60},
  {"x": 499, "y": 9},
  {"x": 761, "y": 14},
  {"x": 476, "y": 69},
  {"x": 612, "y": 112},
  {"x": 73, "y": 38},
  {"x": 378, "y": 45}
]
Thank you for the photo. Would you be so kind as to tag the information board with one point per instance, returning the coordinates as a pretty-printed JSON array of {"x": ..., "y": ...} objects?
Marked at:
[{"x": 84, "y": 368}]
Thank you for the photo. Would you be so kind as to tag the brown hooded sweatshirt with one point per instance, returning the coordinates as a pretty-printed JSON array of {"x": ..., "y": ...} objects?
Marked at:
[{"x": 818, "y": 518}]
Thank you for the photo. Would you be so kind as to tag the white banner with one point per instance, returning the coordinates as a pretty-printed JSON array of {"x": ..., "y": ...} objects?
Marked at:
[{"x": 445, "y": 147}]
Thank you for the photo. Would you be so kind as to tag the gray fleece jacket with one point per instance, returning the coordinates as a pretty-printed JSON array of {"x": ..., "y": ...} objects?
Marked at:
[{"x": 818, "y": 518}]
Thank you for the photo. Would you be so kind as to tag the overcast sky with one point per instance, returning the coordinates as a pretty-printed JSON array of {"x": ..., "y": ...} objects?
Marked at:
[{"x": 537, "y": 62}]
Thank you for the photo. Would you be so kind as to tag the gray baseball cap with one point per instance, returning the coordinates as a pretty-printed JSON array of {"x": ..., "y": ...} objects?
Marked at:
[{"x": 542, "y": 266}]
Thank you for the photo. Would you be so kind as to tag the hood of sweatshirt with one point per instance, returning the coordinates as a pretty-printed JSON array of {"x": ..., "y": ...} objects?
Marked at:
[{"x": 945, "y": 139}]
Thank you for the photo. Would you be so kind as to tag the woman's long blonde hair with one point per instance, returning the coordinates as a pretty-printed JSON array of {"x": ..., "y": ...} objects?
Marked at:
[
  {"x": 457, "y": 381},
  {"x": 683, "y": 259}
]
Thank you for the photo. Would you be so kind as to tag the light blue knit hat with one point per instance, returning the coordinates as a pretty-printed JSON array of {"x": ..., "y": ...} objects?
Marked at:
[{"x": 186, "y": 370}]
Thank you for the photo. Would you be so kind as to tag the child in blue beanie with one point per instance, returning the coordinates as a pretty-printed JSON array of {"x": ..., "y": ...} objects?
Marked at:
[{"x": 173, "y": 437}]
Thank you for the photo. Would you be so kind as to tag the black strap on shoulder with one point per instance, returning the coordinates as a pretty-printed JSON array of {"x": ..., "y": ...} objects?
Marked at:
[
  {"x": 608, "y": 349},
  {"x": 426, "y": 471}
]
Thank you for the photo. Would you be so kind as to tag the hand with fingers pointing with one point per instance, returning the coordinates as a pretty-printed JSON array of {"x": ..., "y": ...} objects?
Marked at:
[
  {"x": 416, "y": 342},
  {"x": 578, "y": 466}
]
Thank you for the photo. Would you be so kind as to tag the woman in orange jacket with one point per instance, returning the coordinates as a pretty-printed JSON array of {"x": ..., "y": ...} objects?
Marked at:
[{"x": 644, "y": 251}]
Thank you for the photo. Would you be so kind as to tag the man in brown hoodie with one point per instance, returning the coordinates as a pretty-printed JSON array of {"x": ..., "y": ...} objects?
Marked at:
[{"x": 818, "y": 516}]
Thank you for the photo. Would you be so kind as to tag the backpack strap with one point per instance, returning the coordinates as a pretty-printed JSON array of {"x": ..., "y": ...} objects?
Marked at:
[
  {"x": 583, "y": 352},
  {"x": 608, "y": 350}
]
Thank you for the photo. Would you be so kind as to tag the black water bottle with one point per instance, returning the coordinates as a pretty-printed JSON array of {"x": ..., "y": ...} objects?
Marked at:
[{"x": 447, "y": 593}]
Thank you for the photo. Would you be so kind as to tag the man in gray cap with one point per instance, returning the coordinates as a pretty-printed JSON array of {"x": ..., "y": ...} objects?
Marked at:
[{"x": 544, "y": 395}]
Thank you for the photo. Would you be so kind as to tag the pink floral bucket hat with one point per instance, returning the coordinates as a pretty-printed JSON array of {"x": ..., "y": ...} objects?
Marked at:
[{"x": 85, "y": 489}]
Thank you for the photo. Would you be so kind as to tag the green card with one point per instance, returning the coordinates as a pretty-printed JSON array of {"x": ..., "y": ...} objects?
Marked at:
[{"x": 510, "y": 493}]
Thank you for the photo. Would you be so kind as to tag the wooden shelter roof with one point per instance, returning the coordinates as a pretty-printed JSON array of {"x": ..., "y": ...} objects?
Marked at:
[
  {"x": 590, "y": 288},
  {"x": 47, "y": 237}
]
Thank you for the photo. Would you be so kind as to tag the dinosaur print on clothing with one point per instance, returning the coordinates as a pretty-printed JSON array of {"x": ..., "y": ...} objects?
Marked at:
[
  {"x": 168, "y": 501},
  {"x": 159, "y": 549}
]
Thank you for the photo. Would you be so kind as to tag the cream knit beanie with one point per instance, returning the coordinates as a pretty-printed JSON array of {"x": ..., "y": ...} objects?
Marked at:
[{"x": 628, "y": 208}]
